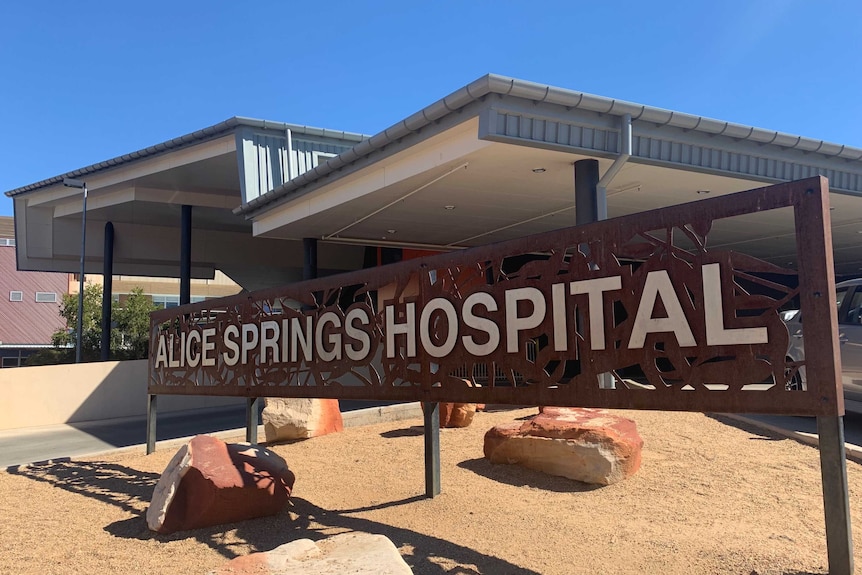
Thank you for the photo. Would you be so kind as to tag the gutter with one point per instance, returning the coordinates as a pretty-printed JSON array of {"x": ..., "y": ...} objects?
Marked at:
[{"x": 540, "y": 93}]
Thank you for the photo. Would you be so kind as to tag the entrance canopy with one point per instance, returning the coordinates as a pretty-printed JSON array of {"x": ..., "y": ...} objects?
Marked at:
[
  {"x": 213, "y": 170},
  {"x": 494, "y": 161},
  {"x": 491, "y": 161}
]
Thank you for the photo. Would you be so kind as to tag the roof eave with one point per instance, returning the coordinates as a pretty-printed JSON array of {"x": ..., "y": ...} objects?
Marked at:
[
  {"x": 193, "y": 138},
  {"x": 540, "y": 93}
]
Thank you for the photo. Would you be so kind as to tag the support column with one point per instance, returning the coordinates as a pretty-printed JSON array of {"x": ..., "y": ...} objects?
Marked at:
[
  {"x": 252, "y": 410},
  {"x": 590, "y": 202},
  {"x": 836, "y": 494},
  {"x": 107, "y": 291},
  {"x": 586, "y": 191},
  {"x": 152, "y": 404},
  {"x": 186, "y": 256},
  {"x": 309, "y": 261},
  {"x": 432, "y": 449}
]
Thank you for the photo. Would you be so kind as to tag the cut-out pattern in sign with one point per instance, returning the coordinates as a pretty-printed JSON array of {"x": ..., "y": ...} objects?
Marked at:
[{"x": 638, "y": 312}]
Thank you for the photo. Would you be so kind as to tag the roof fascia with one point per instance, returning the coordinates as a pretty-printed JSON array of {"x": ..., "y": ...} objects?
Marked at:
[{"x": 521, "y": 122}]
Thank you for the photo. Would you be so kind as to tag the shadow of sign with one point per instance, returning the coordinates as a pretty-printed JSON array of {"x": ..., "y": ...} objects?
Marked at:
[{"x": 130, "y": 490}]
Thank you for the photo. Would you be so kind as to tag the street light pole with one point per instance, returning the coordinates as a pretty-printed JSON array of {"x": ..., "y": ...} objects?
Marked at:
[{"x": 82, "y": 185}]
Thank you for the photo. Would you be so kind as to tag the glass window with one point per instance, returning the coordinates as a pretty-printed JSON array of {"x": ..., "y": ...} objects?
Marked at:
[
  {"x": 162, "y": 301},
  {"x": 16, "y": 296},
  {"x": 840, "y": 294},
  {"x": 166, "y": 301},
  {"x": 854, "y": 310},
  {"x": 46, "y": 297}
]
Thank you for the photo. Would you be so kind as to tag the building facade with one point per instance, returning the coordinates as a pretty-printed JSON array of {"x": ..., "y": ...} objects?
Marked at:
[
  {"x": 271, "y": 203},
  {"x": 29, "y": 303},
  {"x": 163, "y": 292}
]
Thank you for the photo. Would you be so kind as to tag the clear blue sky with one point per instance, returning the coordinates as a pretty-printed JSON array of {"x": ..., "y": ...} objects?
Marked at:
[{"x": 85, "y": 81}]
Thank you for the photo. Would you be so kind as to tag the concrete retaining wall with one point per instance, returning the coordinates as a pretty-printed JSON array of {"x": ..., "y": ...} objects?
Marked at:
[{"x": 54, "y": 394}]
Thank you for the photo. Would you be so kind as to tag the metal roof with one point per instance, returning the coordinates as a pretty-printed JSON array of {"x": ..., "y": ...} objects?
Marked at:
[
  {"x": 188, "y": 140},
  {"x": 540, "y": 93}
]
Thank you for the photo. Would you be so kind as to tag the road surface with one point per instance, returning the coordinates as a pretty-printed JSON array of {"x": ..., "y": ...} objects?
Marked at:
[
  {"x": 29, "y": 445},
  {"x": 34, "y": 444}
]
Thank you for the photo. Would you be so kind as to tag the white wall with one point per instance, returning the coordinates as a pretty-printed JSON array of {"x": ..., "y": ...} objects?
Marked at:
[{"x": 53, "y": 394}]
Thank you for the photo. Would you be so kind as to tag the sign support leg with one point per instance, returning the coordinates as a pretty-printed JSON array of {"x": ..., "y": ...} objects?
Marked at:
[
  {"x": 152, "y": 405},
  {"x": 432, "y": 449},
  {"x": 836, "y": 495},
  {"x": 251, "y": 419}
]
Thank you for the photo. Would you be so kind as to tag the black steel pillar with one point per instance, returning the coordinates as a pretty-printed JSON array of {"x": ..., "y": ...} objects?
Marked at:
[
  {"x": 252, "y": 419},
  {"x": 836, "y": 494},
  {"x": 309, "y": 262},
  {"x": 107, "y": 290},
  {"x": 152, "y": 404},
  {"x": 587, "y": 202},
  {"x": 432, "y": 448},
  {"x": 586, "y": 191},
  {"x": 186, "y": 256}
]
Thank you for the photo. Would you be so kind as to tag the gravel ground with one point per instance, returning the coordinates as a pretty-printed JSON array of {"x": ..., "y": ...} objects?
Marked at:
[{"x": 710, "y": 497}]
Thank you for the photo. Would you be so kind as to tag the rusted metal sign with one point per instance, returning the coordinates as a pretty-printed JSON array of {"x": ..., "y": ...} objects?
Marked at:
[{"x": 537, "y": 320}]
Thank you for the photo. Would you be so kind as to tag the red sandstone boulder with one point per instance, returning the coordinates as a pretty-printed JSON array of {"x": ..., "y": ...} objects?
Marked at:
[
  {"x": 455, "y": 414},
  {"x": 210, "y": 482},
  {"x": 300, "y": 418},
  {"x": 589, "y": 445},
  {"x": 458, "y": 414},
  {"x": 354, "y": 553}
]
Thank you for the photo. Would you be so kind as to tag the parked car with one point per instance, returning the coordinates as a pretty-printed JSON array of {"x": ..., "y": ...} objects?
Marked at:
[{"x": 848, "y": 298}]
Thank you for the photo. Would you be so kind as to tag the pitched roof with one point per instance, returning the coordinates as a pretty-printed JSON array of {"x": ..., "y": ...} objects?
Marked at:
[
  {"x": 187, "y": 140},
  {"x": 540, "y": 93}
]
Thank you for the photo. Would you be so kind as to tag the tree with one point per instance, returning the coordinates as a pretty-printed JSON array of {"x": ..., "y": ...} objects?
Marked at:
[
  {"x": 133, "y": 325},
  {"x": 129, "y": 330}
]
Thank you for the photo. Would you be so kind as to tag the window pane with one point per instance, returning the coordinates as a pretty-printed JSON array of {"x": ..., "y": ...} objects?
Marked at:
[
  {"x": 854, "y": 312},
  {"x": 46, "y": 297},
  {"x": 840, "y": 294}
]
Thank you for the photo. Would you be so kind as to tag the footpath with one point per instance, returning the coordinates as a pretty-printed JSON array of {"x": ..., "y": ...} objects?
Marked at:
[{"x": 57, "y": 442}]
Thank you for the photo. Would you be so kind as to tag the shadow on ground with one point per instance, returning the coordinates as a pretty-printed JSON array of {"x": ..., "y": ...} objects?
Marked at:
[
  {"x": 523, "y": 477},
  {"x": 406, "y": 432},
  {"x": 131, "y": 490},
  {"x": 124, "y": 487},
  {"x": 762, "y": 433}
]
